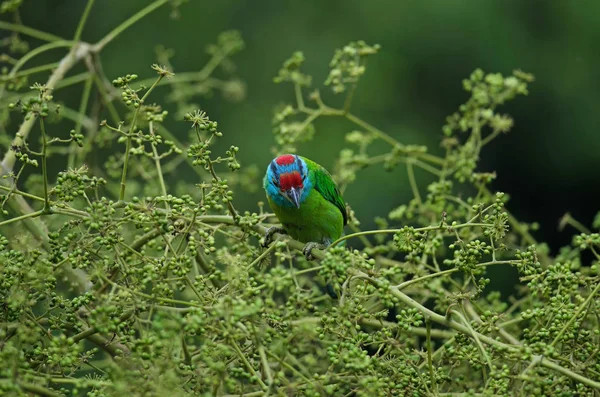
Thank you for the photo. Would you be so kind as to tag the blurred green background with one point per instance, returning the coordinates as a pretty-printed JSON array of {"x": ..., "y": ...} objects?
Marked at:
[{"x": 549, "y": 163}]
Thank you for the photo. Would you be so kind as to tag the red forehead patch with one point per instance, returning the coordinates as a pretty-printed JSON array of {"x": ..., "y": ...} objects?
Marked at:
[
  {"x": 286, "y": 159},
  {"x": 290, "y": 180}
]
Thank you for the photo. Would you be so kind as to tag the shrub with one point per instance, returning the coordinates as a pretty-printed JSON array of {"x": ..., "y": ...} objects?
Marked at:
[{"x": 118, "y": 278}]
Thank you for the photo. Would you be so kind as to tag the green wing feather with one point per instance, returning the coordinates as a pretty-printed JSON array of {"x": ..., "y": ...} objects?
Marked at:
[{"x": 325, "y": 185}]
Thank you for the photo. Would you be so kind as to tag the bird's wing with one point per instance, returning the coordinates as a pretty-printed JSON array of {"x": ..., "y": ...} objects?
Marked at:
[{"x": 326, "y": 186}]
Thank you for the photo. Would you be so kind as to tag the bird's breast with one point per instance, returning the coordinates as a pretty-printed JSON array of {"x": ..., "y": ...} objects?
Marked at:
[{"x": 317, "y": 220}]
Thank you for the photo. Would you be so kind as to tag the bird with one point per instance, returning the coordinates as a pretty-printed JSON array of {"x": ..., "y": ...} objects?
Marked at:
[{"x": 307, "y": 202}]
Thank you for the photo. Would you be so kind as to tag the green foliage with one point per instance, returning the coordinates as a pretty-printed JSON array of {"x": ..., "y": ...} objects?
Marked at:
[{"x": 119, "y": 278}]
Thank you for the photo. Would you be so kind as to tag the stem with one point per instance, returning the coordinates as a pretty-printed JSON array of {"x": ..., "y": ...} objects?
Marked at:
[
  {"x": 283, "y": 363},
  {"x": 576, "y": 314},
  {"x": 450, "y": 271},
  {"x": 230, "y": 207},
  {"x": 427, "y": 167},
  {"x": 265, "y": 364},
  {"x": 74, "y": 79},
  {"x": 391, "y": 231},
  {"x": 37, "y": 34},
  {"x": 83, "y": 19},
  {"x": 503, "y": 333},
  {"x": 436, "y": 333},
  {"x": 393, "y": 142},
  {"x": 568, "y": 219},
  {"x": 104, "y": 89},
  {"x": 475, "y": 337},
  {"x": 161, "y": 179},
  {"x": 211, "y": 65},
  {"x": 114, "y": 349},
  {"x": 413, "y": 182},
  {"x": 20, "y": 218},
  {"x": 127, "y": 23},
  {"x": 263, "y": 255},
  {"x": 130, "y": 136},
  {"x": 39, "y": 50},
  {"x": 349, "y": 97},
  {"x": 46, "y": 209},
  {"x": 299, "y": 98},
  {"x": 19, "y": 192},
  {"x": 39, "y": 390},
  {"x": 170, "y": 136},
  {"x": 429, "y": 360},
  {"x": 87, "y": 88},
  {"x": 183, "y": 77},
  {"x": 490, "y": 137},
  {"x": 249, "y": 366},
  {"x": 33, "y": 70},
  {"x": 372, "y": 129},
  {"x": 152, "y": 298},
  {"x": 93, "y": 330}
]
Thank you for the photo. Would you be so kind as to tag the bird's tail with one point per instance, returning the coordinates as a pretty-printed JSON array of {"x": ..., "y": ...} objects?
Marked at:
[{"x": 331, "y": 291}]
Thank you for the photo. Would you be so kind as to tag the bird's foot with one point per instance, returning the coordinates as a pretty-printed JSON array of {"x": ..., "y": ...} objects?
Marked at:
[
  {"x": 269, "y": 234},
  {"x": 307, "y": 250}
]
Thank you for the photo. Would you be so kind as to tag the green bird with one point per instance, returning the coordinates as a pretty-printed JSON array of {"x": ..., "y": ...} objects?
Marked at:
[{"x": 306, "y": 201}]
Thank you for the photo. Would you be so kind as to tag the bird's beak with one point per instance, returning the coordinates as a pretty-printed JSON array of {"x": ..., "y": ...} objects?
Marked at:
[{"x": 293, "y": 195}]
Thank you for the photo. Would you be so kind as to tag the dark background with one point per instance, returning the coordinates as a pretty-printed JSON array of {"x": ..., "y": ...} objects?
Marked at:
[{"x": 548, "y": 163}]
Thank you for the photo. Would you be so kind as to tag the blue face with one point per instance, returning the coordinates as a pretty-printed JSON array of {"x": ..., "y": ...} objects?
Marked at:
[{"x": 287, "y": 182}]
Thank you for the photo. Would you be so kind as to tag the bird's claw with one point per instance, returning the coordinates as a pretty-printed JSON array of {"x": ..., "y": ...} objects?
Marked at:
[
  {"x": 269, "y": 234},
  {"x": 307, "y": 250}
]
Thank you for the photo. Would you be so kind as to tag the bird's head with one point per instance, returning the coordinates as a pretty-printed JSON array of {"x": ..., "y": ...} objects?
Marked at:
[{"x": 286, "y": 181}]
